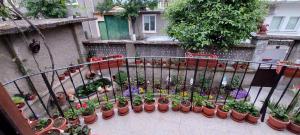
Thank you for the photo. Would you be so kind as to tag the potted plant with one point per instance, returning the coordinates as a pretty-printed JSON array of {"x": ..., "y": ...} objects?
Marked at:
[
  {"x": 67, "y": 73},
  {"x": 163, "y": 104},
  {"x": 137, "y": 104},
  {"x": 30, "y": 96},
  {"x": 175, "y": 102},
  {"x": 239, "y": 110},
  {"x": 253, "y": 115},
  {"x": 72, "y": 68},
  {"x": 41, "y": 125},
  {"x": 61, "y": 98},
  {"x": 222, "y": 111},
  {"x": 294, "y": 125},
  {"x": 107, "y": 109},
  {"x": 149, "y": 102},
  {"x": 53, "y": 131},
  {"x": 78, "y": 130},
  {"x": 122, "y": 104},
  {"x": 208, "y": 109},
  {"x": 185, "y": 105},
  {"x": 138, "y": 60},
  {"x": 60, "y": 123},
  {"x": 19, "y": 101},
  {"x": 88, "y": 112},
  {"x": 72, "y": 116},
  {"x": 278, "y": 118},
  {"x": 61, "y": 77},
  {"x": 198, "y": 103}
]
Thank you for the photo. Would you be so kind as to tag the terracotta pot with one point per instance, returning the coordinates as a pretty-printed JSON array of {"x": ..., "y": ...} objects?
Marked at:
[
  {"x": 277, "y": 124},
  {"x": 61, "y": 77},
  {"x": 220, "y": 113},
  {"x": 90, "y": 119},
  {"x": 67, "y": 73},
  {"x": 252, "y": 119},
  {"x": 138, "y": 108},
  {"x": 185, "y": 107},
  {"x": 176, "y": 108},
  {"x": 163, "y": 107},
  {"x": 208, "y": 112},
  {"x": 20, "y": 105},
  {"x": 238, "y": 117},
  {"x": 294, "y": 128},
  {"x": 43, "y": 130},
  {"x": 74, "y": 122},
  {"x": 108, "y": 114},
  {"x": 197, "y": 109},
  {"x": 149, "y": 107},
  {"x": 61, "y": 98},
  {"x": 122, "y": 111},
  {"x": 63, "y": 126},
  {"x": 52, "y": 129}
]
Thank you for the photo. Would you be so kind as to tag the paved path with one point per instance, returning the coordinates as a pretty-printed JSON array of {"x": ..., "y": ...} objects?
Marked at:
[{"x": 177, "y": 123}]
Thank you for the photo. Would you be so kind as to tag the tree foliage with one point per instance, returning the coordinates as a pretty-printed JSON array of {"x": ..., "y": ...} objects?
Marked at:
[
  {"x": 218, "y": 23},
  {"x": 46, "y": 8}
]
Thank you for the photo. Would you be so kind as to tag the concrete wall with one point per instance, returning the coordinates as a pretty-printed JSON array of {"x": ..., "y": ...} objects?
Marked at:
[
  {"x": 161, "y": 26},
  {"x": 287, "y": 10},
  {"x": 65, "y": 43}
]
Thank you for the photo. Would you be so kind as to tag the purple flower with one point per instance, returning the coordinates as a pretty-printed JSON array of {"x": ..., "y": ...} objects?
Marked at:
[
  {"x": 134, "y": 90},
  {"x": 238, "y": 93}
]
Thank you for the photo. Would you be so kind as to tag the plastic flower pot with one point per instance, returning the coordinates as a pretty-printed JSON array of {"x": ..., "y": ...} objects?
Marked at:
[
  {"x": 252, "y": 119},
  {"x": 277, "y": 124},
  {"x": 149, "y": 107},
  {"x": 52, "y": 131},
  {"x": 138, "y": 109},
  {"x": 238, "y": 117},
  {"x": 49, "y": 126},
  {"x": 107, "y": 114},
  {"x": 176, "y": 108},
  {"x": 208, "y": 112},
  {"x": 122, "y": 111},
  {"x": 60, "y": 123},
  {"x": 61, "y": 77},
  {"x": 185, "y": 106},
  {"x": 220, "y": 113},
  {"x": 294, "y": 128},
  {"x": 197, "y": 109},
  {"x": 163, "y": 104},
  {"x": 90, "y": 119}
]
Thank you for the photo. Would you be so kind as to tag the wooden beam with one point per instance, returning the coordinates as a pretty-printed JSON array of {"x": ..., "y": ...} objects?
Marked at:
[{"x": 11, "y": 112}]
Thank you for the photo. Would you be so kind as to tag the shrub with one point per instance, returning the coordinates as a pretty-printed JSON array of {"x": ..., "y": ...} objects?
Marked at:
[{"x": 71, "y": 114}]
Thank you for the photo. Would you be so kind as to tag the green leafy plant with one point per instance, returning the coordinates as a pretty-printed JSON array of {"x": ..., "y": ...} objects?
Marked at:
[
  {"x": 198, "y": 100},
  {"x": 77, "y": 130},
  {"x": 88, "y": 108},
  {"x": 140, "y": 80},
  {"x": 92, "y": 87},
  {"x": 149, "y": 97},
  {"x": 122, "y": 101},
  {"x": 105, "y": 6},
  {"x": 46, "y": 8},
  {"x": 296, "y": 119},
  {"x": 253, "y": 111},
  {"x": 202, "y": 23},
  {"x": 208, "y": 104},
  {"x": 121, "y": 78},
  {"x": 239, "y": 106},
  {"x": 278, "y": 112},
  {"x": 137, "y": 100},
  {"x": 41, "y": 124},
  {"x": 204, "y": 82},
  {"x": 225, "y": 108},
  {"x": 107, "y": 105},
  {"x": 175, "y": 100},
  {"x": 71, "y": 114}
]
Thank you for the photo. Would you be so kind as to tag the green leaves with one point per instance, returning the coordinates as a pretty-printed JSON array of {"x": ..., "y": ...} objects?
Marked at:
[
  {"x": 46, "y": 8},
  {"x": 202, "y": 23}
]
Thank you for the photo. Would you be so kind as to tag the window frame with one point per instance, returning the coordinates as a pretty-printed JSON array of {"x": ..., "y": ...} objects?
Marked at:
[
  {"x": 149, "y": 31},
  {"x": 280, "y": 25},
  {"x": 295, "y": 28}
]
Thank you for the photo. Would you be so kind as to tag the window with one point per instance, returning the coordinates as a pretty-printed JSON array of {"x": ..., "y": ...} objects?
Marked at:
[
  {"x": 72, "y": 2},
  {"x": 276, "y": 22},
  {"x": 149, "y": 23},
  {"x": 292, "y": 23}
]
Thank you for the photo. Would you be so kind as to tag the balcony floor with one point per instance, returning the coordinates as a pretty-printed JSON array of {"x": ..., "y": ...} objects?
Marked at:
[{"x": 176, "y": 123}]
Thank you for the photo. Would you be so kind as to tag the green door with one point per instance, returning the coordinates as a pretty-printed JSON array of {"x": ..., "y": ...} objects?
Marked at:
[{"x": 114, "y": 28}]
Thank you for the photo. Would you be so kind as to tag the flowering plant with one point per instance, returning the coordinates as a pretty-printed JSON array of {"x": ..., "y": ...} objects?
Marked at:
[
  {"x": 239, "y": 93},
  {"x": 86, "y": 108}
]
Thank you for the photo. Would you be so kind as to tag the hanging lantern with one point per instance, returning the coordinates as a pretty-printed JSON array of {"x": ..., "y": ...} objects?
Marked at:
[{"x": 35, "y": 46}]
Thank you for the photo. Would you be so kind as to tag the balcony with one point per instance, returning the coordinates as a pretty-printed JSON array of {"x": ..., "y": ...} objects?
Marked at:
[{"x": 183, "y": 82}]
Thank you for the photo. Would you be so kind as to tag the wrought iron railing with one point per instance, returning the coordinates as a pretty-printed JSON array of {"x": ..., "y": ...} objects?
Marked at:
[{"x": 214, "y": 79}]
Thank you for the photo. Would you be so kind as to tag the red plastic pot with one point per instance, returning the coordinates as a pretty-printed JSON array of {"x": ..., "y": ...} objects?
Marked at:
[
  {"x": 220, "y": 113},
  {"x": 294, "y": 128},
  {"x": 208, "y": 112},
  {"x": 163, "y": 107},
  {"x": 197, "y": 109},
  {"x": 122, "y": 111},
  {"x": 149, "y": 107},
  {"x": 238, "y": 117},
  {"x": 252, "y": 119},
  {"x": 277, "y": 124}
]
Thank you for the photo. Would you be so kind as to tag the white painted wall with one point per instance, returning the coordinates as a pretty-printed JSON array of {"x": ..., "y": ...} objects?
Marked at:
[{"x": 289, "y": 9}]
